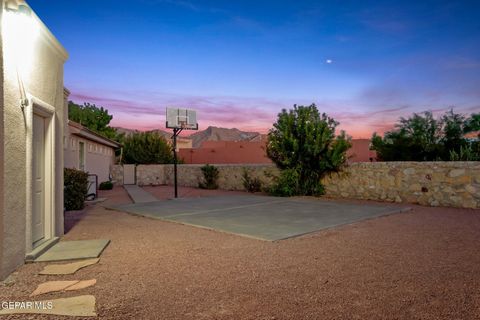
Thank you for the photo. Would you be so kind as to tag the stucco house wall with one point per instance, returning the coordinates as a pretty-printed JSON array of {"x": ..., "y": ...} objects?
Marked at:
[
  {"x": 37, "y": 58},
  {"x": 2, "y": 142},
  {"x": 99, "y": 155}
]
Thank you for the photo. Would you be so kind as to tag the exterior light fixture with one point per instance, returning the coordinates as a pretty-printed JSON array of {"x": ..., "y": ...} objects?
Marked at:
[
  {"x": 18, "y": 6},
  {"x": 19, "y": 32}
]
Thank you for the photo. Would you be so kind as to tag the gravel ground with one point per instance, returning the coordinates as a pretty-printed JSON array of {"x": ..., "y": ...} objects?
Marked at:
[{"x": 424, "y": 264}]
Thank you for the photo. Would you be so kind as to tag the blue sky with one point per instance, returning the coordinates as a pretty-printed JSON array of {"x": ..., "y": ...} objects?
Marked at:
[{"x": 366, "y": 63}]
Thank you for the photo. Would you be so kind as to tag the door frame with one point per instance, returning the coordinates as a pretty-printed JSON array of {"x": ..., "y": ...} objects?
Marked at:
[{"x": 46, "y": 111}]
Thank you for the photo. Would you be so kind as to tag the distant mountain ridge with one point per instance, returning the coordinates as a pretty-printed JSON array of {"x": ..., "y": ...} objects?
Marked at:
[{"x": 209, "y": 134}]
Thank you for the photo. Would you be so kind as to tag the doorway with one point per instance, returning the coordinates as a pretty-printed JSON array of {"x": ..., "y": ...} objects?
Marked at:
[{"x": 39, "y": 179}]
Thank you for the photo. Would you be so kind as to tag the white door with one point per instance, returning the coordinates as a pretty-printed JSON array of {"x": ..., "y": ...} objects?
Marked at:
[
  {"x": 38, "y": 210},
  {"x": 128, "y": 174},
  {"x": 81, "y": 156}
]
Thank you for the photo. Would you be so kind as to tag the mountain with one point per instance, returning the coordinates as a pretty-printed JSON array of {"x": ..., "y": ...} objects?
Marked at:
[
  {"x": 128, "y": 132},
  {"x": 209, "y": 134},
  {"x": 223, "y": 134}
]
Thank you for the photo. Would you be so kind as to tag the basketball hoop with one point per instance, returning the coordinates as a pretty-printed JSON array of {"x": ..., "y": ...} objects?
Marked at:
[{"x": 179, "y": 120}]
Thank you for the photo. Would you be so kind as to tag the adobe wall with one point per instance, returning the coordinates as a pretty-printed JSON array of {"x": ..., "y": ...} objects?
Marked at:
[{"x": 451, "y": 184}]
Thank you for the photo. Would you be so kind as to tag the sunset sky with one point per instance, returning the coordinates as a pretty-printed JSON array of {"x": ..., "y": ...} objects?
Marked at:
[{"x": 238, "y": 63}]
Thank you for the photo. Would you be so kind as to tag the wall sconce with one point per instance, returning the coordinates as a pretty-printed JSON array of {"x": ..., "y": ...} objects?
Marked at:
[
  {"x": 20, "y": 12},
  {"x": 18, "y": 6}
]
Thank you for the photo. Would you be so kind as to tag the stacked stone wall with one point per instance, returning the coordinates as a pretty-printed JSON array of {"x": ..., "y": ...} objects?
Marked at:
[{"x": 451, "y": 184}]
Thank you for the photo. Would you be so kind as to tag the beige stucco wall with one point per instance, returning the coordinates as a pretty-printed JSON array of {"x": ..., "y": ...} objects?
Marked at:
[
  {"x": 2, "y": 159},
  {"x": 452, "y": 184},
  {"x": 41, "y": 69}
]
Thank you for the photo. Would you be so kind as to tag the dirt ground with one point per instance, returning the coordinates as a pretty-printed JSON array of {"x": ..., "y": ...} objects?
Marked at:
[{"x": 424, "y": 264}]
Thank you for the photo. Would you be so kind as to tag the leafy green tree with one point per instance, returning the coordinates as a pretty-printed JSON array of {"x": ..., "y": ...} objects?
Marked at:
[
  {"x": 303, "y": 144},
  {"x": 146, "y": 148},
  {"x": 472, "y": 123},
  {"x": 94, "y": 118},
  {"x": 453, "y": 128},
  {"x": 415, "y": 139},
  {"x": 422, "y": 138}
]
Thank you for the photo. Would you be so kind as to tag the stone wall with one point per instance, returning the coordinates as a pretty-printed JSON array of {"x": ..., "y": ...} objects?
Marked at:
[
  {"x": 230, "y": 176},
  {"x": 453, "y": 184},
  {"x": 117, "y": 175}
]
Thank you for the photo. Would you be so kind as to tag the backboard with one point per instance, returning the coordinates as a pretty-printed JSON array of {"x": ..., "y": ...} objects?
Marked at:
[{"x": 185, "y": 119}]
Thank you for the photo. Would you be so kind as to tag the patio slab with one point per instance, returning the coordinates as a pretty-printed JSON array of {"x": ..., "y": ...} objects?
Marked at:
[
  {"x": 74, "y": 250},
  {"x": 260, "y": 217}
]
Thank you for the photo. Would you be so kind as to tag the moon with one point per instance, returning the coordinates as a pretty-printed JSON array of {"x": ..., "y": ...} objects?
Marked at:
[{"x": 329, "y": 61}]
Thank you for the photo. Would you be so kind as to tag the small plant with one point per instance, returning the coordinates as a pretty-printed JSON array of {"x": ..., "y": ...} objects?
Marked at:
[
  {"x": 75, "y": 188},
  {"x": 106, "y": 185},
  {"x": 210, "y": 176},
  {"x": 251, "y": 184}
]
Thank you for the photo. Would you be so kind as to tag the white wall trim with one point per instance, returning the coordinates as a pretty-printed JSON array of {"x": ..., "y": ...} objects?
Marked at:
[{"x": 46, "y": 111}]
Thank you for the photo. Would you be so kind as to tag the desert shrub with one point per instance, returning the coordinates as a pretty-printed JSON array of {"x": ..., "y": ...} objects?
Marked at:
[
  {"x": 75, "y": 188},
  {"x": 469, "y": 152},
  {"x": 251, "y": 184},
  {"x": 210, "y": 177},
  {"x": 106, "y": 185},
  {"x": 304, "y": 146}
]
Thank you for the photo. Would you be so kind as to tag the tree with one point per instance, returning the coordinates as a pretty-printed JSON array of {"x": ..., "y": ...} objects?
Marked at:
[
  {"x": 146, "y": 148},
  {"x": 94, "y": 118},
  {"x": 303, "y": 144},
  {"x": 453, "y": 128},
  {"x": 422, "y": 138},
  {"x": 415, "y": 139},
  {"x": 472, "y": 123}
]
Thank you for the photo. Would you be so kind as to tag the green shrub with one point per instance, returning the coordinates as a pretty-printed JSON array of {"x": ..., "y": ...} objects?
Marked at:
[
  {"x": 304, "y": 146},
  {"x": 288, "y": 184},
  {"x": 75, "y": 188},
  {"x": 210, "y": 177},
  {"x": 106, "y": 185},
  {"x": 146, "y": 148},
  {"x": 251, "y": 184}
]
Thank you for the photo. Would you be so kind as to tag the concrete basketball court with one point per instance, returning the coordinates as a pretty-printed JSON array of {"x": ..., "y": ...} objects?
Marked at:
[{"x": 260, "y": 217}]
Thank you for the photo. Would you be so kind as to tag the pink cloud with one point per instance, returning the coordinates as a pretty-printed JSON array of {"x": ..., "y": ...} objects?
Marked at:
[{"x": 146, "y": 111}]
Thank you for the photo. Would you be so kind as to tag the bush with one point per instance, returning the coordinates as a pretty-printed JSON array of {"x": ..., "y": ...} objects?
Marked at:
[
  {"x": 106, "y": 185},
  {"x": 75, "y": 188},
  {"x": 304, "y": 146},
  {"x": 146, "y": 148},
  {"x": 251, "y": 184},
  {"x": 210, "y": 176}
]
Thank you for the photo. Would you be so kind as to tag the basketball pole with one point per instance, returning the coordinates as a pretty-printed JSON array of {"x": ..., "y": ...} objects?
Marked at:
[{"x": 176, "y": 132}]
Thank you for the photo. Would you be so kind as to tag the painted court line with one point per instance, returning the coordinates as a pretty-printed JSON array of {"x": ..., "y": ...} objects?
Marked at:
[{"x": 220, "y": 210}]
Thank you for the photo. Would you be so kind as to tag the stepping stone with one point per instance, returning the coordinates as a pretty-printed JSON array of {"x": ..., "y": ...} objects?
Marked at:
[
  {"x": 81, "y": 306},
  {"x": 68, "y": 268},
  {"x": 82, "y": 284},
  {"x": 55, "y": 286},
  {"x": 74, "y": 250},
  {"x": 52, "y": 286}
]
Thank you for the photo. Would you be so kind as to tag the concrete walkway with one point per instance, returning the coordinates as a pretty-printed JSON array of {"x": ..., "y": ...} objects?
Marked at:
[{"x": 139, "y": 195}]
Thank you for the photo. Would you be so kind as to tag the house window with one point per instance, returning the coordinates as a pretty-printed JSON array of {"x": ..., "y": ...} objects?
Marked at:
[{"x": 81, "y": 156}]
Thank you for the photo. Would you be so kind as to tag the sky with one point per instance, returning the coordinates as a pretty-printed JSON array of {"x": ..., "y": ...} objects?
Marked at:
[{"x": 238, "y": 63}]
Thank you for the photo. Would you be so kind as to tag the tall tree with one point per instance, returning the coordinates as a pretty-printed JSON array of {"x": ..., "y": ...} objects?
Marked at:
[
  {"x": 422, "y": 138},
  {"x": 146, "y": 148},
  {"x": 414, "y": 139},
  {"x": 453, "y": 128},
  {"x": 472, "y": 123},
  {"x": 94, "y": 118},
  {"x": 303, "y": 144}
]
